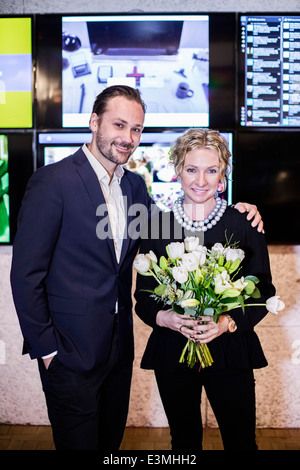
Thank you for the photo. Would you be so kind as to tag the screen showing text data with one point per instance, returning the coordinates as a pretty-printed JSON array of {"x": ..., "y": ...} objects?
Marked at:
[{"x": 270, "y": 47}]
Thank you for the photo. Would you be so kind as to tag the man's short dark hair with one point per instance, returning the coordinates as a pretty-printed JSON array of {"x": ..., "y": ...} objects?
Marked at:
[{"x": 101, "y": 101}]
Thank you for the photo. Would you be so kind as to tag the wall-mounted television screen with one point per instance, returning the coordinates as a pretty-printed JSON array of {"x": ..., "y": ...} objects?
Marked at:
[
  {"x": 16, "y": 167},
  {"x": 54, "y": 146},
  {"x": 269, "y": 70},
  {"x": 4, "y": 188},
  {"x": 267, "y": 174},
  {"x": 150, "y": 160},
  {"x": 183, "y": 65},
  {"x": 16, "y": 97},
  {"x": 165, "y": 57}
]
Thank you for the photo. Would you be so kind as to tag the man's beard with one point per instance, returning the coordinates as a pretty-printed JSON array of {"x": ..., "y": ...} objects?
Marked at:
[{"x": 106, "y": 149}]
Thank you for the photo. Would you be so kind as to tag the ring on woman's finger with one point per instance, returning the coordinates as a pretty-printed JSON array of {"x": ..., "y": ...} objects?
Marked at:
[{"x": 180, "y": 328}]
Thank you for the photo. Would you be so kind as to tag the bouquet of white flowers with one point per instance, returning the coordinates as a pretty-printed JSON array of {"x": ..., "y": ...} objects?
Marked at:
[{"x": 197, "y": 281}]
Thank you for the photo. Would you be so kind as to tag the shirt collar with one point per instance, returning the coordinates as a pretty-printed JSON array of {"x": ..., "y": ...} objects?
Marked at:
[{"x": 99, "y": 168}]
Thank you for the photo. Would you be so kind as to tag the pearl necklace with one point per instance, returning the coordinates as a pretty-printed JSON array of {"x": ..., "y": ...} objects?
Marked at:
[{"x": 199, "y": 225}]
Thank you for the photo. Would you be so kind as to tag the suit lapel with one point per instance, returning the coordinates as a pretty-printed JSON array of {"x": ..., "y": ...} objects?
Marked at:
[
  {"x": 93, "y": 188},
  {"x": 127, "y": 194}
]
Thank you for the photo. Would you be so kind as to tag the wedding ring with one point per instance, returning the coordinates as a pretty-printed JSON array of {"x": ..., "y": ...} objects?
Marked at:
[{"x": 180, "y": 328}]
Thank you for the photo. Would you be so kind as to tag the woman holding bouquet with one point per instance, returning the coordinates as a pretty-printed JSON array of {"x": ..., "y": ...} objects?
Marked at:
[{"x": 201, "y": 161}]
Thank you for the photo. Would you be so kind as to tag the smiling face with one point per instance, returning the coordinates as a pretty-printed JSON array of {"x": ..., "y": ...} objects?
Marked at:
[
  {"x": 200, "y": 178},
  {"x": 117, "y": 134}
]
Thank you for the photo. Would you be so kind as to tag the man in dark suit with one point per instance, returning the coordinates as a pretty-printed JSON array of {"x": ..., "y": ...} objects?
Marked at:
[
  {"x": 72, "y": 284},
  {"x": 71, "y": 276}
]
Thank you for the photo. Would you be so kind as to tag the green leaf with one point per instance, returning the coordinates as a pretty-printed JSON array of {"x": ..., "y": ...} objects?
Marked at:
[
  {"x": 221, "y": 260},
  {"x": 208, "y": 311},
  {"x": 230, "y": 292},
  {"x": 163, "y": 263},
  {"x": 234, "y": 265},
  {"x": 188, "y": 294},
  {"x": 256, "y": 294},
  {"x": 229, "y": 307},
  {"x": 211, "y": 293},
  {"x": 252, "y": 278},
  {"x": 227, "y": 265},
  {"x": 217, "y": 314},
  {"x": 156, "y": 268},
  {"x": 250, "y": 287},
  {"x": 241, "y": 300},
  {"x": 160, "y": 290},
  {"x": 190, "y": 311},
  {"x": 229, "y": 300},
  {"x": 145, "y": 274},
  {"x": 198, "y": 276}
]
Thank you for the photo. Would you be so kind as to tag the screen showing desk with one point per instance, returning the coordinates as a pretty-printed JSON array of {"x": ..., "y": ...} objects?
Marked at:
[
  {"x": 270, "y": 70},
  {"x": 15, "y": 73},
  {"x": 166, "y": 57}
]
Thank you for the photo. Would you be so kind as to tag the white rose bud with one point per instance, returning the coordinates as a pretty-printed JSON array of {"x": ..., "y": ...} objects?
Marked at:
[
  {"x": 190, "y": 261},
  {"x": 141, "y": 263},
  {"x": 175, "y": 250},
  {"x": 191, "y": 243},
  {"x": 151, "y": 256},
  {"x": 274, "y": 305},
  {"x": 180, "y": 274}
]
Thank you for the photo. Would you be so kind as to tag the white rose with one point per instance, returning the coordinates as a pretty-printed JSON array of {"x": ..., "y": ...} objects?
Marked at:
[
  {"x": 274, "y": 305},
  {"x": 175, "y": 250},
  {"x": 180, "y": 274},
  {"x": 141, "y": 263},
  {"x": 200, "y": 252},
  {"x": 190, "y": 261},
  {"x": 241, "y": 253},
  {"x": 232, "y": 254},
  {"x": 151, "y": 256},
  {"x": 191, "y": 243},
  {"x": 221, "y": 282},
  {"x": 218, "y": 248}
]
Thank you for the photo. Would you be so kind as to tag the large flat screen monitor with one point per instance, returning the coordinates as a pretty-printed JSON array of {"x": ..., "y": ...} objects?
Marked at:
[
  {"x": 4, "y": 191},
  {"x": 16, "y": 167},
  {"x": 182, "y": 64},
  {"x": 267, "y": 174},
  {"x": 16, "y": 76},
  {"x": 165, "y": 57},
  {"x": 150, "y": 160},
  {"x": 269, "y": 52}
]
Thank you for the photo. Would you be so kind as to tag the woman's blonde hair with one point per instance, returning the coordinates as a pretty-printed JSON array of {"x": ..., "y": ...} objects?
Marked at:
[{"x": 202, "y": 139}]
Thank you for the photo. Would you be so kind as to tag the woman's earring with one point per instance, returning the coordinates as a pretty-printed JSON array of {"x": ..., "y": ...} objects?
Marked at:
[{"x": 220, "y": 187}]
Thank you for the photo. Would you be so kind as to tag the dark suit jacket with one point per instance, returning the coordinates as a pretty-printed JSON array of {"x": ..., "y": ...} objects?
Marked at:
[
  {"x": 65, "y": 280},
  {"x": 241, "y": 349}
]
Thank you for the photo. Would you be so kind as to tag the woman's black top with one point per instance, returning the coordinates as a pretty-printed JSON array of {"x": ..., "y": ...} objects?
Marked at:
[{"x": 241, "y": 349}]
